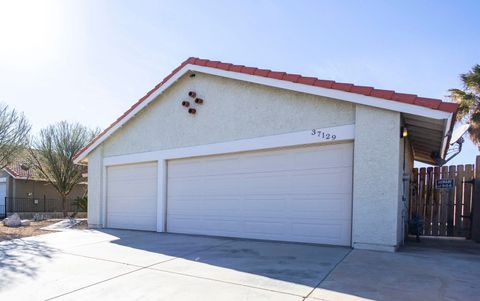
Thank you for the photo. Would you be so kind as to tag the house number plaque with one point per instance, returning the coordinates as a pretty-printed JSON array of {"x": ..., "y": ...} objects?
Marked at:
[{"x": 323, "y": 135}]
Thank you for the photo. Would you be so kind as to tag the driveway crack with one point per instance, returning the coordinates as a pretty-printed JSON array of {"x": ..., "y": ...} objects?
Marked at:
[{"x": 328, "y": 274}]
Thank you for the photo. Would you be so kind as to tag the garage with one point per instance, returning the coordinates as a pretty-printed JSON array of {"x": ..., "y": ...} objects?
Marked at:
[
  {"x": 132, "y": 196},
  {"x": 295, "y": 194},
  {"x": 227, "y": 150}
]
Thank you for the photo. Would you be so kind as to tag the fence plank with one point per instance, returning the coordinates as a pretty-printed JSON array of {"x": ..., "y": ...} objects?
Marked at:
[
  {"x": 428, "y": 201},
  {"x": 467, "y": 198},
  {"x": 443, "y": 205},
  {"x": 422, "y": 192},
  {"x": 413, "y": 206},
  {"x": 450, "y": 201},
  {"x": 459, "y": 200},
  {"x": 435, "y": 204},
  {"x": 476, "y": 203}
]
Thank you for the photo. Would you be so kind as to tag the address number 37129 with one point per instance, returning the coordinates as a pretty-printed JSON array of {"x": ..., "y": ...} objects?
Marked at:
[{"x": 323, "y": 135}]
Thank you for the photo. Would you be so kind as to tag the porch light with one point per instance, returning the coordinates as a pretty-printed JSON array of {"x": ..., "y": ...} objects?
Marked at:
[{"x": 404, "y": 133}]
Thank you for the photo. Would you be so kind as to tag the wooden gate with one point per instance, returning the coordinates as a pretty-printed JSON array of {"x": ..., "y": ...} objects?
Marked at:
[{"x": 444, "y": 207}]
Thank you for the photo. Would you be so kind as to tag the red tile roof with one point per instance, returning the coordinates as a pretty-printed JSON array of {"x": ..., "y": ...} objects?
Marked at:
[
  {"x": 16, "y": 170},
  {"x": 390, "y": 95}
]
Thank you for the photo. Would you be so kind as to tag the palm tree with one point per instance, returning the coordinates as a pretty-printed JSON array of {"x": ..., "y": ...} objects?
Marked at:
[{"x": 468, "y": 100}]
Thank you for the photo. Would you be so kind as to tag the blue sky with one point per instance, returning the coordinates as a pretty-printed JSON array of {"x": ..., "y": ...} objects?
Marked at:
[{"x": 88, "y": 61}]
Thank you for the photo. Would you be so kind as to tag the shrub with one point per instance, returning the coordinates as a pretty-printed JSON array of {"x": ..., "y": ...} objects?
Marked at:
[{"x": 81, "y": 203}]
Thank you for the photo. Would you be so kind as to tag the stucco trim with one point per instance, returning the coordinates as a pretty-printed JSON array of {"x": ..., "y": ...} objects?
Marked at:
[
  {"x": 342, "y": 133},
  {"x": 278, "y": 83}
]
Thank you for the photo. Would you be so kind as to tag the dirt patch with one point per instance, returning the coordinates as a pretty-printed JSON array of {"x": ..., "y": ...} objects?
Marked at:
[{"x": 7, "y": 233}]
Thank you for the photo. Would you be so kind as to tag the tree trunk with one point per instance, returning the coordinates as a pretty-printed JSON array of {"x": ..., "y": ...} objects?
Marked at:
[{"x": 64, "y": 205}]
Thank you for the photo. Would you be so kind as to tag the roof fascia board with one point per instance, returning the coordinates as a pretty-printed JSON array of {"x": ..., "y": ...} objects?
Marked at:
[
  {"x": 142, "y": 105},
  {"x": 446, "y": 137},
  {"x": 325, "y": 92},
  {"x": 11, "y": 174}
]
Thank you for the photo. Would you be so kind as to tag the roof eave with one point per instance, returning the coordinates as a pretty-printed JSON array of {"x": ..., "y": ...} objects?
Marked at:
[{"x": 10, "y": 172}]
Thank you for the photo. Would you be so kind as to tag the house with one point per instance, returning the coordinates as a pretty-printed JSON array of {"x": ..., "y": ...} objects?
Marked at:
[
  {"x": 26, "y": 192},
  {"x": 227, "y": 150}
]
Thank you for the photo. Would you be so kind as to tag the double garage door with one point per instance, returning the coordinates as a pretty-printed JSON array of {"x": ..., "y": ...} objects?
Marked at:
[{"x": 295, "y": 194}]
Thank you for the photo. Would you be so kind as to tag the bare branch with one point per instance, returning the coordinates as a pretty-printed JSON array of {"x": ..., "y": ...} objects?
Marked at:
[
  {"x": 53, "y": 151},
  {"x": 14, "y": 134}
]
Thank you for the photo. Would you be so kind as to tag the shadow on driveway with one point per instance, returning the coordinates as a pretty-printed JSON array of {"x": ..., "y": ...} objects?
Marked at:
[
  {"x": 118, "y": 263},
  {"x": 20, "y": 258},
  {"x": 222, "y": 258}
]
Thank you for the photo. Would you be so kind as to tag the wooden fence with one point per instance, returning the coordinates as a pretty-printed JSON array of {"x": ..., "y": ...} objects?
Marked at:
[{"x": 444, "y": 211}]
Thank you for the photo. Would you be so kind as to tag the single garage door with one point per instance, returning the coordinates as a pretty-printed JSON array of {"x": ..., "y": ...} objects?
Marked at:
[
  {"x": 132, "y": 196},
  {"x": 296, "y": 194}
]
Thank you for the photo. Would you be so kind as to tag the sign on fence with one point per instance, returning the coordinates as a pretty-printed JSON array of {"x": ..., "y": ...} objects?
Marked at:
[{"x": 444, "y": 184}]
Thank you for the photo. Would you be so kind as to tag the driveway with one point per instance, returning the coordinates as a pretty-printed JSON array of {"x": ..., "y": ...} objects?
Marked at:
[{"x": 133, "y": 265}]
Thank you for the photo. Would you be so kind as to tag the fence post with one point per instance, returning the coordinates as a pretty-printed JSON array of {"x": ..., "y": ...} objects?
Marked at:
[{"x": 476, "y": 203}]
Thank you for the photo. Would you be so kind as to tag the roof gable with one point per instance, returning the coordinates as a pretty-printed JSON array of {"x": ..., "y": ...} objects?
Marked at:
[{"x": 387, "y": 99}]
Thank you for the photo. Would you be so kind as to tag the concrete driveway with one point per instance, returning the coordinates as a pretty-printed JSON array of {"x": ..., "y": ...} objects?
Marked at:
[{"x": 132, "y": 265}]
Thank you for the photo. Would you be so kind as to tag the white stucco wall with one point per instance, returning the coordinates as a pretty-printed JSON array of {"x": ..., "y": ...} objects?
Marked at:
[
  {"x": 232, "y": 110},
  {"x": 376, "y": 182},
  {"x": 236, "y": 110},
  {"x": 95, "y": 178},
  {"x": 405, "y": 172}
]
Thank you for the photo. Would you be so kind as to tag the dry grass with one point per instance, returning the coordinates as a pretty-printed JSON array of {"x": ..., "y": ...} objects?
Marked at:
[{"x": 7, "y": 233}]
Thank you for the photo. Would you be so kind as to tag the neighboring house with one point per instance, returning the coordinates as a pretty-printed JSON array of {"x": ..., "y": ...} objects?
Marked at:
[
  {"x": 267, "y": 155},
  {"x": 26, "y": 192}
]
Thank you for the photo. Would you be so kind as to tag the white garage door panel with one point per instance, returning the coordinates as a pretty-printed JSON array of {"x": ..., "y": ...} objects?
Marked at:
[
  {"x": 264, "y": 183},
  {"x": 3, "y": 194},
  {"x": 251, "y": 162},
  {"x": 299, "y": 194},
  {"x": 313, "y": 206},
  {"x": 132, "y": 196}
]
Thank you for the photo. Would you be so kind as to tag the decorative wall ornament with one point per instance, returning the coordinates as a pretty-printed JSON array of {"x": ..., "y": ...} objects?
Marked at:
[{"x": 192, "y": 107}]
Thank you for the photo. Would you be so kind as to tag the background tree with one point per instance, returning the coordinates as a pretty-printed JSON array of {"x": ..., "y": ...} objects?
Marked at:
[
  {"x": 14, "y": 134},
  {"x": 468, "y": 100},
  {"x": 53, "y": 152}
]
